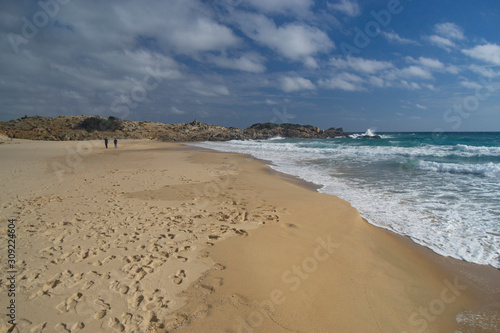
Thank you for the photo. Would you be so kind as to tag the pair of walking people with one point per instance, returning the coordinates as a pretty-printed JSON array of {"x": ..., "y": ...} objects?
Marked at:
[{"x": 115, "y": 141}]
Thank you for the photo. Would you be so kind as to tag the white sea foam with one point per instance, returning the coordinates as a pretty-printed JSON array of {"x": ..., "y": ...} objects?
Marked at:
[
  {"x": 276, "y": 138},
  {"x": 484, "y": 151},
  {"x": 450, "y": 207},
  {"x": 487, "y": 170},
  {"x": 369, "y": 133}
]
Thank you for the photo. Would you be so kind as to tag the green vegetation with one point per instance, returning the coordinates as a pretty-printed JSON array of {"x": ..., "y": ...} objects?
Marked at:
[{"x": 101, "y": 124}]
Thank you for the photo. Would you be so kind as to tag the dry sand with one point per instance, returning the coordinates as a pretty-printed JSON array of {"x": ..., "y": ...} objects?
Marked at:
[{"x": 155, "y": 237}]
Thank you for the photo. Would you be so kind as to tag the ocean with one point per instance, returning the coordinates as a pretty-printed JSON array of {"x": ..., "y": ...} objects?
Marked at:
[{"x": 441, "y": 190}]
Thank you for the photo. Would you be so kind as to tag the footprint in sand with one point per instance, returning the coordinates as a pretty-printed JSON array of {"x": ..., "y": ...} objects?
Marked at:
[
  {"x": 181, "y": 258},
  {"x": 115, "y": 324},
  {"x": 136, "y": 300},
  {"x": 100, "y": 314},
  {"x": 69, "y": 305},
  {"x": 126, "y": 318},
  {"x": 177, "y": 278},
  {"x": 119, "y": 287},
  {"x": 38, "y": 328},
  {"x": 62, "y": 328},
  {"x": 240, "y": 232},
  {"x": 76, "y": 327}
]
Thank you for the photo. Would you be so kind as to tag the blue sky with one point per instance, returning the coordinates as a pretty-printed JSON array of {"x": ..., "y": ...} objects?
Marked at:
[{"x": 387, "y": 65}]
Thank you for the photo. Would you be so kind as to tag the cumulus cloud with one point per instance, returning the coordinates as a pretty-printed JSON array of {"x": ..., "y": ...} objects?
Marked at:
[
  {"x": 295, "y": 41},
  {"x": 434, "y": 64},
  {"x": 182, "y": 27},
  {"x": 484, "y": 71},
  {"x": 471, "y": 85},
  {"x": 410, "y": 85},
  {"x": 347, "y": 7},
  {"x": 449, "y": 30},
  {"x": 378, "y": 82},
  {"x": 297, "y": 7},
  {"x": 175, "y": 110},
  {"x": 431, "y": 63},
  {"x": 379, "y": 74},
  {"x": 207, "y": 89},
  {"x": 486, "y": 52},
  {"x": 290, "y": 84},
  {"x": 367, "y": 66},
  {"x": 343, "y": 81},
  {"x": 445, "y": 35},
  {"x": 442, "y": 42},
  {"x": 251, "y": 62},
  {"x": 416, "y": 71},
  {"x": 393, "y": 37}
]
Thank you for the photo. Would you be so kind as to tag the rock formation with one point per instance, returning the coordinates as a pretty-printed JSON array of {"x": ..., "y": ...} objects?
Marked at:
[{"x": 64, "y": 128}]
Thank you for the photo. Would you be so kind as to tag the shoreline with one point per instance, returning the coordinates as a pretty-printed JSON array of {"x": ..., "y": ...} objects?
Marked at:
[
  {"x": 315, "y": 187},
  {"x": 482, "y": 282},
  {"x": 217, "y": 262}
]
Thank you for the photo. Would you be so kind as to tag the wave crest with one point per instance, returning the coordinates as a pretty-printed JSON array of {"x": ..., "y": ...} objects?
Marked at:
[{"x": 486, "y": 170}]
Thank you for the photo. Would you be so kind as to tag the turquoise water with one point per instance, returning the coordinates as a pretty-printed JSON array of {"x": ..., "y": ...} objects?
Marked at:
[{"x": 441, "y": 190}]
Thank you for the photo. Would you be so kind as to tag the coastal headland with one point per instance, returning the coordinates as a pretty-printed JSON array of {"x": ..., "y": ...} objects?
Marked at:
[{"x": 74, "y": 128}]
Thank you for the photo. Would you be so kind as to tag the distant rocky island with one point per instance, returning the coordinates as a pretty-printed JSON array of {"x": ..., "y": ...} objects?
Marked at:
[{"x": 66, "y": 128}]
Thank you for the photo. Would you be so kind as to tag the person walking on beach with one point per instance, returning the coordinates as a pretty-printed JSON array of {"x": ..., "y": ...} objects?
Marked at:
[
  {"x": 106, "y": 142},
  {"x": 116, "y": 143}
]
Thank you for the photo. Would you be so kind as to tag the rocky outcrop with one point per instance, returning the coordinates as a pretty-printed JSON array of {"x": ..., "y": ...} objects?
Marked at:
[
  {"x": 269, "y": 130},
  {"x": 64, "y": 128}
]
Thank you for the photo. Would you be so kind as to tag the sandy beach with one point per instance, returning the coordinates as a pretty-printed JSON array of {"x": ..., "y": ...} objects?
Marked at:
[{"x": 160, "y": 237}]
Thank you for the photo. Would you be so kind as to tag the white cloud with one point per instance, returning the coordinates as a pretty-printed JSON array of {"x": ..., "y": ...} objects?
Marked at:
[
  {"x": 487, "y": 52},
  {"x": 431, "y": 63},
  {"x": 270, "y": 102},
  {"x": 442, "y": 42},
  {"x": 377, "y": 82},
  {"x": 207, "y": 89},
  {"x": 343, "y": 81},
  {"x": 452, "y": 69},
  {"x": 471, "y": 85},
  {"x": 201, "y": 35},
  {"x": 415, "y": 71},
  {"x": 182, "y": 27},
  {"x": 348, "y": 7},
  {"x": 422, "y": 107},
  {"x": 391, "y": 36},
  {"x": 445, "y": 34},
  {"x": 434, "y": 64},
  {"x": 449, "y": 30},
  {"x": 175, "y": 110},
  {"x": 310, "y": 62},
  {"x": 247, "y": 63},
  {"x": 360, "y": 64},
  {"x": 379, "y": 74},
  {"x": 410, "y": 85},
  {"x": 294, "y": 41},
  {"x": 369, "y": 66},
  {"x": 484, "y": 71},
  {"x": 297, "y": 7},
  {"x": 289, "y": 84}
]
